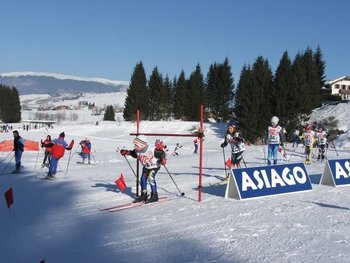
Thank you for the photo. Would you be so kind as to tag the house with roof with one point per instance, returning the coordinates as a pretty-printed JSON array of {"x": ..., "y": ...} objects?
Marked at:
[{"x": 340, "y": 86}]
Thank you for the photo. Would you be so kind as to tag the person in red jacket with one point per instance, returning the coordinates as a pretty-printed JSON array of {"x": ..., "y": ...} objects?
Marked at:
[
  {"x": 47, "y": 154},
  {"x": 85, "y": 150},
  {"x": 59, "y": 145}
]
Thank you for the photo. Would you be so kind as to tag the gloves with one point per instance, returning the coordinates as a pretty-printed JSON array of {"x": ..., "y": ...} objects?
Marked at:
[
  {"x": 223, "y": 145},
  {"x": 124, "y": 152},
  {"x": 163, "y": 161},
  {"x": 71, "y": 144}
]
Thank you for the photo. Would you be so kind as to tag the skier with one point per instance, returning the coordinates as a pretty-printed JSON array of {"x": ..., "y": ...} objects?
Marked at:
[
  {"x": 309, "y": 140},
  {"x": 296, "y": 137},
  {"x": 47, "y": 153},
  {"x": 151, "y": 158},
  {"x": 273, "y": 140},
  {"x": 85, "y": 150},
  {"x": 59, "y": 145},
  {"x": 321, "y": 139},
  {"x": 195, "y": 143},
  {"x": 236, "y": 142},
  {"x": 18, "y": 147},
  {"x": 176, "y": 149}
]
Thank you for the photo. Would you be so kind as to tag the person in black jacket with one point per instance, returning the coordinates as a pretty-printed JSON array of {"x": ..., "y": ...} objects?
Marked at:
[{"x": 18, "y": 148}]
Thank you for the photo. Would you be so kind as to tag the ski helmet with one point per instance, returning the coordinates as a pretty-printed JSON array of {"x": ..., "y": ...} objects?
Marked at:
[
  {"x": 140, "y": 141},
  {"x": 274, "y": 120},
  {"x": 232, "y": 123}
]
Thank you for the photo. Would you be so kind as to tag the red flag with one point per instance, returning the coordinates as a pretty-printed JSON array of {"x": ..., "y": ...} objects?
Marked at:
[
  {"x": 120, "y": 182},
  {"x": 9, "y": 197},
  {"x": 228, "y": 163}
]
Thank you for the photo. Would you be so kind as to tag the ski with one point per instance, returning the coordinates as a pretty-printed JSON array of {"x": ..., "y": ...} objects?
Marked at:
[
  {"x": 223, "y": 182},
  {"x": 130, "y": 205}
]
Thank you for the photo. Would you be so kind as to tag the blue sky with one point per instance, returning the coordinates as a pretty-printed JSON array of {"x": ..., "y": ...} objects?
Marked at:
[{"x": 106, "y": 38}]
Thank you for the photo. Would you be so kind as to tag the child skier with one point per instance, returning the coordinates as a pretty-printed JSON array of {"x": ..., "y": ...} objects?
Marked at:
[
  {"x": 309, "y": 139},
  {"x": 273, "y": 140},
  {"x": 47, "y": 153},
  {"x": 18, "y": 147},
  {"x": 59, "y": 145},
  {"x": 85, "y": 150},
  {"x": 236, "y": 142},
  {"x": 321, "y": 139},
  {"x": 151, "y": 158}
]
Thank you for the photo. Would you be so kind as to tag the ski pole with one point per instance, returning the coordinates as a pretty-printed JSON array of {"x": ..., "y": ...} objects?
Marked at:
[
  {"x": 37, "y": 156},
  {"x": 223, "y": 153},
  {"x": 7, "y": 165},
  {"x": 69, "y": 158},
  {"x": 5, "y": 158},
  {"x": 334, "y": 147},
  {"x": 244, "y": 162},
  {"x": 93, "y": 157},
  {"x": 182, "y": 193}
]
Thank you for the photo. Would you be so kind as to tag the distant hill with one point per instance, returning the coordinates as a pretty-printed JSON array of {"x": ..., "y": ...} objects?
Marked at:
[{"x": 51, "y": 83}]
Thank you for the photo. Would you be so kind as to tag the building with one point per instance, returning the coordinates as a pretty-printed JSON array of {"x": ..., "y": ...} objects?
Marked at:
[{"x": 340, "y": 86}]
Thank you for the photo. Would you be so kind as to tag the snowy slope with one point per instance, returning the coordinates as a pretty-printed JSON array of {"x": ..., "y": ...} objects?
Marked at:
[{"x": 60, "y": 220}]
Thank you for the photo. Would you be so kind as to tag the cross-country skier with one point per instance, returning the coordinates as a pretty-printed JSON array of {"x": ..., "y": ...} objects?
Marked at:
[
  {"x": 59, "y": 145},
  {"x": 151, "y": 158},
  {"x": 47, "y": 153},
  {"x": 309, "y": 140},
  {"x": 236, "y": 142},
  {"x": 85, "y": 150},
  {"x": 273, "y": 140},
  {"x": 321, "y": 139},
  {"x": 18, "y": 147}
]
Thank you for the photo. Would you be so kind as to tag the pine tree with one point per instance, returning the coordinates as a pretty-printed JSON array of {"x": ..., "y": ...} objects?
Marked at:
[
  {"x": 109, "y": 114},
  {"x": 167, "y": 100},
  {"x": 195, "y": 95},
  {"x": 225, "y": 92},
  {"x": 156, "y": 91},
  {"x": 284, "y": 93},
  {"x": 180, "y": 97},
  {"x": 10, "y": 107},
  {"x": 137, "y": 95}
]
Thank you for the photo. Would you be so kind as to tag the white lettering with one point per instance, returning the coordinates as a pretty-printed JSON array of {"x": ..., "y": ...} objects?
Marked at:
[
  {"x": 266, "y": 180},
  {"x": 287, "y": 177},
  {"x": 339, "y": 171},
  {"x": 247, "y": 182},
  {"x": 347, "y": 166},
  {"x": 258, "y": 179},
  {"x": 276, "y": 179},
  {"x": 298, "y": 170}
]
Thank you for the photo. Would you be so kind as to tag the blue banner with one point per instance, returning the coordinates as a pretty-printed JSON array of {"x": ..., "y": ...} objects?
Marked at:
[
  {"x": 271, "y": 180},
  {"x": 340, "y": 170}
]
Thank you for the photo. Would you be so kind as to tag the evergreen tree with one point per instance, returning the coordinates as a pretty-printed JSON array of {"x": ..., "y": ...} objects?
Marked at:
[
  {"x": 137, "y": 95},
  {"x": 156, "y": 91},
  {"x": 10, "y": 107},
  {"x": 109, "y": 114},
  {"x": 262, "y": 85},
  {"x": 195, "y": 95},
  {"x": 320, "y": 68},
  {"x": 211, "y": 89},
  {"x": 284, "y": 93},
  {"x": 245, "y": 109},
  {"x": 180, "y": 97},
  {"x": 225, "y": 92},
  {"x": 167, "y": 100}
]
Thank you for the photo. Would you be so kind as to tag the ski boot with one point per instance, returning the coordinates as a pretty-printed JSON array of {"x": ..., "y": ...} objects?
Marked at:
[
  {"x": 153, "y": 198},
  {"x": 141, "y": 198}
]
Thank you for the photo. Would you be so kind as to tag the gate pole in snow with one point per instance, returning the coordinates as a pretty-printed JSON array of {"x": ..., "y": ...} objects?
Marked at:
[
  {"x": 199, "y": 134},
  {"x": 137, "y": 160}
]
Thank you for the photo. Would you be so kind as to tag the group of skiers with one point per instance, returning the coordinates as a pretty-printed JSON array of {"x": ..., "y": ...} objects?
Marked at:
[
  {"x": 54, "y": 150},
  {"x": 153, "y": 157}
]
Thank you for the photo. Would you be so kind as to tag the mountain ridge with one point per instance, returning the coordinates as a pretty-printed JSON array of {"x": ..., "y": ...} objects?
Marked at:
[{"x": 53, "y": 83}]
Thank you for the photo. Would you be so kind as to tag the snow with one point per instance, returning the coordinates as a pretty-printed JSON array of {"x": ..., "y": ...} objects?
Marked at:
[{"x": 60, "y": 220}]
